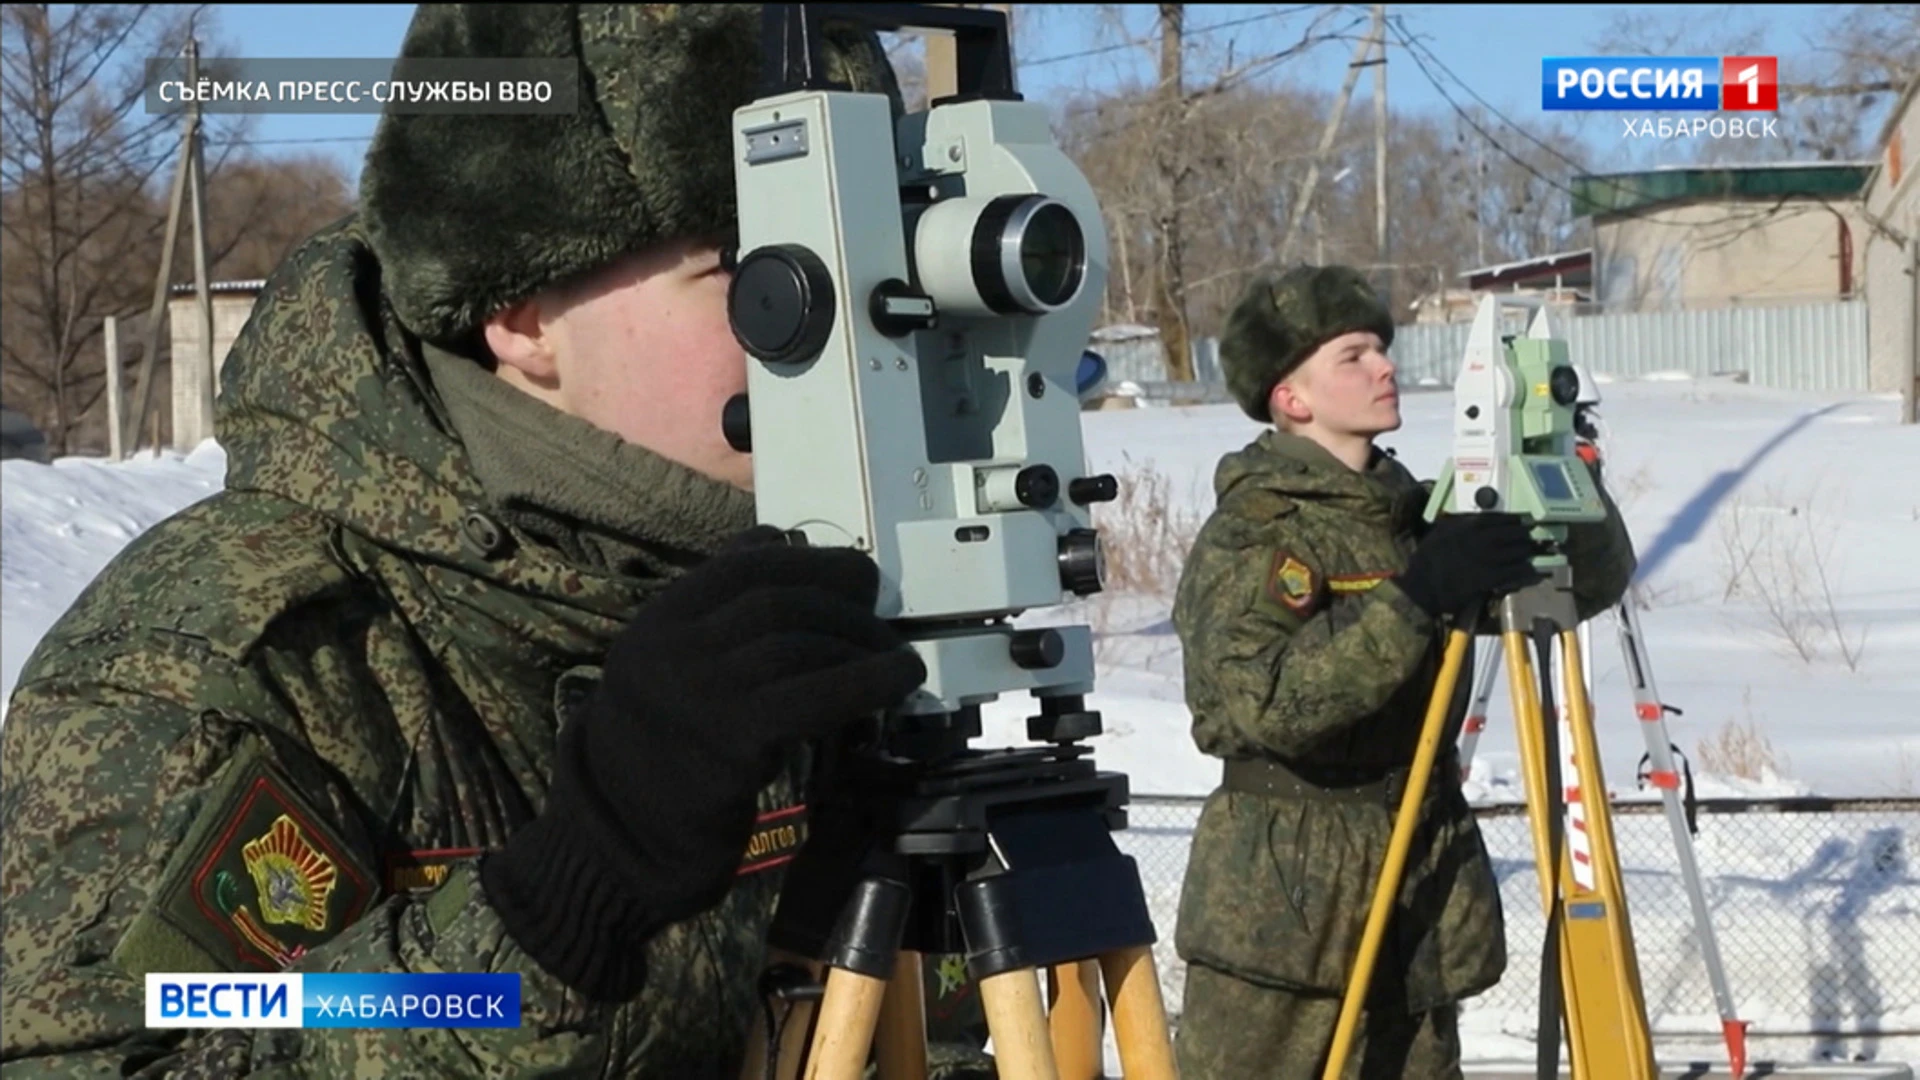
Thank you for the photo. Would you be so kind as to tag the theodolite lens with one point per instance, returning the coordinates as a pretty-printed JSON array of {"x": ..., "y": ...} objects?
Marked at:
[
  {"x": 1029, "y": 254},
  {"x": 1564, "y": 385},
  {"x": 1052, "y": 255}
]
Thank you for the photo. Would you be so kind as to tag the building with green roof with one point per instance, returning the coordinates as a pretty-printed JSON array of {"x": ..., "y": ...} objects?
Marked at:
[{"x": 1695, "y": 238}]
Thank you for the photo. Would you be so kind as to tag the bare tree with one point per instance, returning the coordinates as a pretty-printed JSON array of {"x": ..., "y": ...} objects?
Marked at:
[
  {"x": 1190, "y": 171},
  {"x": 76, "y": 157},
  {"x": 1872, "y": 49},
  {"x": 1243, "y": 153},
  {"x": 260, "y": 209},
  {"x": 84, "y": 175},
  {"x": 1514, "y": 189}
]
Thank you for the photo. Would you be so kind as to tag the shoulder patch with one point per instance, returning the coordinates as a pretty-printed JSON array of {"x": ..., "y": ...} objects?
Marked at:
[
  {"x": 1291, "y": 583},
  {"x": 262, "y": 878}
]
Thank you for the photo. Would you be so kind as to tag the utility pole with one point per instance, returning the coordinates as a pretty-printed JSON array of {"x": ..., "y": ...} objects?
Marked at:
[
  {"x": 137, "y": 416},
  {"x": 1327, "y": 135},
  {"x": 1479, "y": 204},
  {"x": 1380, "y": 137},
  {"x": 1170, "y": 303},
  {"x": 195, "y": 398},
  {"x": 116, "y": 412}
]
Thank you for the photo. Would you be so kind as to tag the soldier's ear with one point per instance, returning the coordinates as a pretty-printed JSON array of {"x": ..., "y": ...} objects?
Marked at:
[
  {"x": 1285, "y": 403},
  {"x": 524, "y": 345}
]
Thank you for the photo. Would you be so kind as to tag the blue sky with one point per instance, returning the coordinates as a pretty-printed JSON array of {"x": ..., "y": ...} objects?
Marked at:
[{"x": 1493, "y": 49}]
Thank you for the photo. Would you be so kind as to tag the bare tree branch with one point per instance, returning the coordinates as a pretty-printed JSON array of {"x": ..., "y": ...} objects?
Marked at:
[{"x": 80, "y": 220}]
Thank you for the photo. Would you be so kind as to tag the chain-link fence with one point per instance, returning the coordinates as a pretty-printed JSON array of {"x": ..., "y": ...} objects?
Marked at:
[{"x": 1815, "y": 906}]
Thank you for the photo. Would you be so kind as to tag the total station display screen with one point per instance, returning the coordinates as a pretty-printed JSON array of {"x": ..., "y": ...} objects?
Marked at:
[{"x": 1553, "y": 482}]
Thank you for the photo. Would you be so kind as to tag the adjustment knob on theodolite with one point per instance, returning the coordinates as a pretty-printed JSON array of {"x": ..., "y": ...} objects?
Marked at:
[
  {"x": 1063, "y": 718},
  {"x": 1037, "y": 650},
  {"x": 1486, "y": 498},
  {"x": 781, "y": 304},
  {"x": 736, "y": 424},
  {"x": 897, "y": 309},
  {"x": 1036, "y": 486},
  {"x": 1083, "y": 562},
  {"x": 1093, "y": 489}
]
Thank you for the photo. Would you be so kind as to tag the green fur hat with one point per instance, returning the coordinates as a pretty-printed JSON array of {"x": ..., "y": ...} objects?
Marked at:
[
  {"x": 1282, "y": 317},
  {"x": 469, "y": 213}
]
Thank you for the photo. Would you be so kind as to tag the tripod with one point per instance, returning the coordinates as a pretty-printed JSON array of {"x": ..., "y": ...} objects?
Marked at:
[
  {"x": 1589, "y": 977},
  {"x": 1003, "y": 855},
  {"x": 1662, "y": 773}
]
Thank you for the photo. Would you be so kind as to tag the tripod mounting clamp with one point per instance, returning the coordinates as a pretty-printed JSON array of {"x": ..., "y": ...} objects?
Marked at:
[{"x": 1551, "y": 601}]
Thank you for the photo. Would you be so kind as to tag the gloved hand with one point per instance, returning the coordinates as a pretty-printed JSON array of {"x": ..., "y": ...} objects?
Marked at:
[
  {"x": 702, "y": 699},
  {"x": 1466, "y": 558}
]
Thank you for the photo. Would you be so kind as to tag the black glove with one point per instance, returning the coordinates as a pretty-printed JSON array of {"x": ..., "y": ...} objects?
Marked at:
[
  {"x": 703, "y": 698},
  {"x": 1466, "y": 558}
]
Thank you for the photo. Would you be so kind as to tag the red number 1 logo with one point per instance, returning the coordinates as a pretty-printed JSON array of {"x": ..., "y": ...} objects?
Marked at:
[{"x": 1750, "y": 84}]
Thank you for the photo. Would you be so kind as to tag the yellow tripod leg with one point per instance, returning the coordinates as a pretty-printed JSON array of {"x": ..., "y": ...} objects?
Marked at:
[
  {"x": 1607, "y": 1031},
  {"x": 1533, "y": 761},
  {"x": 1603, "y": 978},
  {"x": 1396, "y": 860},
  {"x": 1535, "y": 778}
]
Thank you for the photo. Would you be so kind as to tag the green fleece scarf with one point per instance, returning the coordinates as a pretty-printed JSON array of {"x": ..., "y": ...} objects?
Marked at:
[{"x": 603, "y": 503}]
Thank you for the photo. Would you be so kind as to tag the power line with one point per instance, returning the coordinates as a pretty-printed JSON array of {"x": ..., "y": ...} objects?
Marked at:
[
  {"x": 1229, "y": 24},
  {"x": 293, "y": 142},
  {"x": 1411, "y": 45},
  {"x": 1642, "y": 213},
  {"x": 1250, "y": 71},
  {"x": 1418, "y": 62}
]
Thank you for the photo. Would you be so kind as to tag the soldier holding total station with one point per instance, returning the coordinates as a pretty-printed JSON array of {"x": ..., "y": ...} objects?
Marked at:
[
  {"x": 477, "y": 664},
  {"x": 1312, "y": 611}
]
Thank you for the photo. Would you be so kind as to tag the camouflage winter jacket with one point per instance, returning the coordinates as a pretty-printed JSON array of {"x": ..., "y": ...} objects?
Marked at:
[
  {"x": 349, "y": 668},
  {"x": 1299, "y": 649}
]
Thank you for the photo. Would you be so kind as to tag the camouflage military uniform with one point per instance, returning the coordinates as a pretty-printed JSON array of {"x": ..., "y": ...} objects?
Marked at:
[
  {"x": 357, "y": 655},
  {"x": 284, "y": 727},
  {"x": 1300, "y": 650}
]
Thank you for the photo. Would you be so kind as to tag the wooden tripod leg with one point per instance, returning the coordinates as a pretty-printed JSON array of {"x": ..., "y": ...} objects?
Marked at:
[
  {"x": 793, "y": 1029},
  {"x": 1406, "y": 819},
  {"x": 1139, "y": 1014},
  {"x": 1017, "y": 1021},
  {"x": 1073, "y": 1014},
  {"x": 900, "y": 1046},
  {"x": 849, "y": 1013},
  {"x": 798, "y": 1036}
]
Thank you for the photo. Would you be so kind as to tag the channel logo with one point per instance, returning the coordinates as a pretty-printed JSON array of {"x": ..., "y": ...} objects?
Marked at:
[
  {"x": 1660, "y": 84},
  {"x": 333, "y": 1000}
]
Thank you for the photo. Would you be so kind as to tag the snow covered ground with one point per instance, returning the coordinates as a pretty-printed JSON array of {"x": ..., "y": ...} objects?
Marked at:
[{"x": 1779, "y": 541}]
